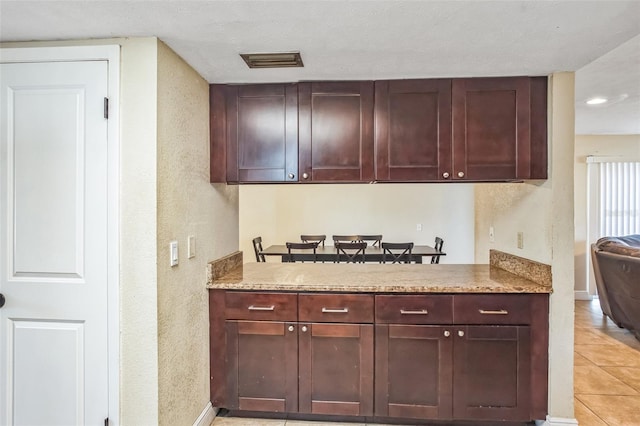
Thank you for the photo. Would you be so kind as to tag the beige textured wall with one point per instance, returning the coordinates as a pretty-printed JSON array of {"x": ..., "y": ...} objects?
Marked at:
[
  {"x": 280, "y": 213},
  {"x": 187, "y": 205},
  {"x": 543, "y": 211},
  {"x": 605, "y": 145},
  {"x": 511, "y": 208}
]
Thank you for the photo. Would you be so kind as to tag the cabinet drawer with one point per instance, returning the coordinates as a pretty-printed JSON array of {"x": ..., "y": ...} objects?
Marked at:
[
  {"x": 414, "y": 309},
  {"x": 357, "y": 308},
  {"x": 492, "y": 309},
  {"x": 261, "y": 306}
]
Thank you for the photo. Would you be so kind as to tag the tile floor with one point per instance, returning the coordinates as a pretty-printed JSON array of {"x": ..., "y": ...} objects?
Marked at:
[
  {"x": 606, "y": 370},
  {"x": 606, "y": 375}
]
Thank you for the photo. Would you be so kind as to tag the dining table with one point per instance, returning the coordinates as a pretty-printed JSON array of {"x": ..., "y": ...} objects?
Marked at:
[{"x": 328, "y": 253}]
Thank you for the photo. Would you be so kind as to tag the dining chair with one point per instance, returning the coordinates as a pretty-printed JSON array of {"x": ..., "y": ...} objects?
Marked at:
[
  {"x": 398, "y": 252},
  {"x": 306, "y": 238},
  {"x": 372, "y": 240},
  {"x": 346, "y": 238},
  {"x": 257, "y": 248},
  {"x": 301, "y": 246},
  {"x": 438, "y": 247},
  {"x": 350, "y": 251}
]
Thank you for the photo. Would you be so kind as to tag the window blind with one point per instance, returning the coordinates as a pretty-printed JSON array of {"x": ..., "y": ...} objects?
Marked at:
[{"x": 619, "y": 198}]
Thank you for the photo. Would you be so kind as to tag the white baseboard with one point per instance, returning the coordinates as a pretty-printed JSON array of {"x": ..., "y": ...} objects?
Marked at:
[
  {"x": 557, "y": 421},
  {"x": 206, "y": 417},
  {"x": 582, "y": 295}
]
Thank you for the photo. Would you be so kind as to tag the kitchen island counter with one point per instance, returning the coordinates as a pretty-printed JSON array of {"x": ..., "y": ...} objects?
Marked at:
[{"x": 380, "y": 342}]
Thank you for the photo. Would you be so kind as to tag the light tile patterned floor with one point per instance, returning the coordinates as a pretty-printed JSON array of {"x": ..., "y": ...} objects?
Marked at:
[
  {"x": 607, "y": 370},
  {"x": 606, "y": 375}
]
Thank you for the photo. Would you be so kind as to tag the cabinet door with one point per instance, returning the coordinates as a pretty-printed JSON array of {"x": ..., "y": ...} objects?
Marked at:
[
  {"x": 491, "y": 373},
  {"x": 413, "y": 130},
  {"x": 413, "y": 371},
  {"x": 336, "y": 369},
  {"x": 262, "y": 366},
  {"x": 262, "y": 133},
  {"x": 491, "y": 128},
  {"x": 336, "y": 131}
]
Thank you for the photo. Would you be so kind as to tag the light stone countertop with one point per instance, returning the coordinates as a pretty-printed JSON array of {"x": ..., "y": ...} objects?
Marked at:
[{"x": 374, "y": 278}]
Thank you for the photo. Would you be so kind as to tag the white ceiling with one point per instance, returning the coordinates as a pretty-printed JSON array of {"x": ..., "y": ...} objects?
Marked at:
[{"x": 342, "y": 40}]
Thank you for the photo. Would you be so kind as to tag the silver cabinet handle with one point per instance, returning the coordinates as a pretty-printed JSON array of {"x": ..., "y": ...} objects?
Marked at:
[
  {"x": 445, "y": 175},
  {"x": 335, "y": 311},
  {"x": 460, "y": 333},
  {"x": 447, "y": 333},
  {"x": 498, "y": 312},
  {"x": 460, "y": 174},
  {"x": 291, "y": 175},
  {"x": 420, "y": 312},
  {"x": 291, "y": 328},
  {"x": 262, "y": 308},
  {"x": 305, "y": 175},
  {"x": 304, "y": 328}
]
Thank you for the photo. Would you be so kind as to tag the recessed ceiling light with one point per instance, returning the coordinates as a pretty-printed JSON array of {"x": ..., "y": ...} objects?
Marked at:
[
  {"x": 596, "y": 101},
  {"x": 273, "y": 60}
]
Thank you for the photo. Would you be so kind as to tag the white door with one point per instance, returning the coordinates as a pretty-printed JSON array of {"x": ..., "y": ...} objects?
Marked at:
[{"x": 53, "y": 244}]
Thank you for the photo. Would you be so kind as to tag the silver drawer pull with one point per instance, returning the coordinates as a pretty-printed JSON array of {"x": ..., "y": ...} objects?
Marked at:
[
  {"x": 335, "y": 311},
  {"x": 262, "y": 308},
  {"x": 420, "y": 312},
  {"x": 500, "y": 312}
]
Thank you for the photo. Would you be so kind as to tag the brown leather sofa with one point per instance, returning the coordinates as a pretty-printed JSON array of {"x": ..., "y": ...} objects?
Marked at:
[{"x": 616, "y": 266}]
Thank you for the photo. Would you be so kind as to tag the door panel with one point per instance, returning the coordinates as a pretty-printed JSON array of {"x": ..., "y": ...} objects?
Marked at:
[
  {"x": 62, "y": 360},
  {"x": 262, "y": 366},
  {"x": 336, "y": 131},
  {"x": 53, "y": 268},
  {"x": 336, "y": 369},
  {"x": 413, "y": 371},
  {"x": 413, "y": 129},
  {"x": 262, "y": 133},
  {"x": 61, "y": 221},
  {"x": 491, "y": 128},
  {"x": 492, "y": 370}
]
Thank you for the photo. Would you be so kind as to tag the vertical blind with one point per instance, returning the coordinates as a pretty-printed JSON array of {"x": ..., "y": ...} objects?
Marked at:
[{"x": 619, "y": 198}]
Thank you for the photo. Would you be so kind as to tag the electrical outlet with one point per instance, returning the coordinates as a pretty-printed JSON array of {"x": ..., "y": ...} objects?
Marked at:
[
  {"x": 492, "y": 237},
  {"x": 520, "y": 240},
  {"x": 419, "y": 227},
  {"x": 173, "y": 253}
]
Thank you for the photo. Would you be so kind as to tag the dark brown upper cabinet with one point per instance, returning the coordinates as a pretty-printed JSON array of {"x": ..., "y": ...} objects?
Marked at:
[
  {"x": 336, "y": 131},
  {"x": 413, "y": 130},
  {"x": 436, "y": 130},
  {"x": 499, "y": 128},
  {"x": 260, "y": 125}
]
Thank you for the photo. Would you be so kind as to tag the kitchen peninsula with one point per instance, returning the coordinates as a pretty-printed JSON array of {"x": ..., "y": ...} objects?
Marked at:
[{"x": 382, "y": 343}]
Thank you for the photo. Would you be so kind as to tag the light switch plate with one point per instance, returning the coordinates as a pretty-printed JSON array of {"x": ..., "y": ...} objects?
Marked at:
[
  {"x": 191, "y": 246},
  {"x": 173, "y": 253}
]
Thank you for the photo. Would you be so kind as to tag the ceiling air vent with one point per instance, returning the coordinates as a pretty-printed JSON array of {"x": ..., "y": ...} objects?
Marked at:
[{"x": 272, "y": 60}]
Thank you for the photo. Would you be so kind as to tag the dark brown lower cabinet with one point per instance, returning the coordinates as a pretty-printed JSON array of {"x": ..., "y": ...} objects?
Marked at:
[
  {"x": 462, "y": 357},
  {"x": 294, "y": 367},
  {"x": 491, "y": 372},
  {"x": 413, "y": 371},
  {"x": 262, "y": 366},
  {"x": 457, "y": 372},
  {"x": 336, "y": 369}
]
